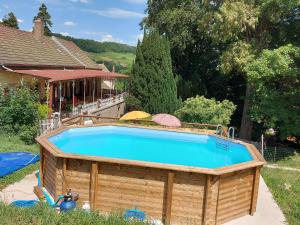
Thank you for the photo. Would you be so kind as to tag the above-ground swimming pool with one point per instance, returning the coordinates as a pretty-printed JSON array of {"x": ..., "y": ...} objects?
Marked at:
[
  {"x": 176, "y": 176},
  {"x": 167, "y": 147}
]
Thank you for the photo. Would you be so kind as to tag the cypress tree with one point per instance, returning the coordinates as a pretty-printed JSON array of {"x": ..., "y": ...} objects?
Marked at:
[
  {"x": 10, "y": 20},
  {"x": 152, "y": 83}
]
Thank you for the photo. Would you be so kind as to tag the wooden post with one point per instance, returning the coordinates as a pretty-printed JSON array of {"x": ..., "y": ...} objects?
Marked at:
[
  {"x": 64, "y": 175},
  {"x": 169, "y": 198},
  {"x": 255, "y": 190},
  {"x": 41, "y": 166},
  {"x": 206, "y": 200},
  {"x": 50, "y": 102},
  {"x": 93, "y": 184}
]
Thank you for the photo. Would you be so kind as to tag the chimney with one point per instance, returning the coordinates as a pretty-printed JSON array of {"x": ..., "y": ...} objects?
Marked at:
[{"x": 38, "y": 30}]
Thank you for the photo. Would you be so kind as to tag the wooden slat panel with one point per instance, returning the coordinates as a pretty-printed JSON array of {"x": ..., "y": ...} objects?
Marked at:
[
  {"x": 49, "y": 177},
  {"x": 235, "y": 195},
  {"x": 187, "y": 200},
  {"x": 126, "y": 187}
]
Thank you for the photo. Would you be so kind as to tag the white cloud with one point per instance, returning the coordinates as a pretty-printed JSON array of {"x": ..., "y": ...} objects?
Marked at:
[
  {"x": 69, "y": 24},
  {"x": 5, "y": 6},
  {"x": 110, "y": 38},
  {"x": 136, "y": 1},
  {"x": 116, "y": 13},
  {"x": 65, "y": 33},
  {"x": 20, "y": 20},
  {"x": 81, "y": 1}
]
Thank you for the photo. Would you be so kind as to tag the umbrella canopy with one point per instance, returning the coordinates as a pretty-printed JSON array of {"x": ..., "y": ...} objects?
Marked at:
[
  {"x": 166, "y": 120},
  {"x": 135, "y": 115}
]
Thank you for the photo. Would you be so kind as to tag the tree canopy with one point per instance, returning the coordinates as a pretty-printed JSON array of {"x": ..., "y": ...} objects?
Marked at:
[
  {"x": 152, "y": 83},
  {"x": 212, "y": 38},
  {"x": 44, "y": 15},
  {"x": 276, "y": 100},
  {"x": 10, "y": 20}
]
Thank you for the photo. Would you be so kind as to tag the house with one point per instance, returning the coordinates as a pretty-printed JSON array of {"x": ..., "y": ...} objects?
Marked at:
[{"x": 53, "y": 66}]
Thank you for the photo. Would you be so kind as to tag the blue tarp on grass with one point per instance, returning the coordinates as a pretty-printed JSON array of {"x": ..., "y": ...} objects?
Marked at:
[{"x": 13, "y": 161}]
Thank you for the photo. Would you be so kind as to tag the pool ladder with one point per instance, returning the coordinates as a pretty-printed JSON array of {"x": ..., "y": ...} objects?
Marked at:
[
  {"x": 230, "y": 133},
  {"x": 222, "y": 144},
  {"x": 219, "y": 130}
]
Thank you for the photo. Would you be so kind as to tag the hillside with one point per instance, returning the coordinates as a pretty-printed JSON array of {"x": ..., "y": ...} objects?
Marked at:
[{"x": 109, "y": 53}]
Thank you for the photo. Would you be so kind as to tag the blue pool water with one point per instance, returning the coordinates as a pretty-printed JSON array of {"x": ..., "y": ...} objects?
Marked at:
[{"x": 151, "y": 146}]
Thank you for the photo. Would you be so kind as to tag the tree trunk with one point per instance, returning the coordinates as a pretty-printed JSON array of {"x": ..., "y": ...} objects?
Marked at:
[{"x": 246, "y": 124}]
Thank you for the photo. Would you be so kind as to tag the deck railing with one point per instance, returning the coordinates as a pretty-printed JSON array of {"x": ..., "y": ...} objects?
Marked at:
[
  {"x": 99, "y": 104},
  {"x": 47, "y": 125}
]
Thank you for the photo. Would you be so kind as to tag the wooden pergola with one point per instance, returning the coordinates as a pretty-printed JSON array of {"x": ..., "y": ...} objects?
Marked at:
[{"x": 82, "y": 86}]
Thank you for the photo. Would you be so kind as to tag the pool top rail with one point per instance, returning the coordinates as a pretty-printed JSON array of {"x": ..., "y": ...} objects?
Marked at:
[{"x": 257, "y": 158}]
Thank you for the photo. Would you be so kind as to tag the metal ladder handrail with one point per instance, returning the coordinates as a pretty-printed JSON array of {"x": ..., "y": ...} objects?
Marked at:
[
  {"x": 219, "y": 128},
  {"x": 228, "y": 132}
]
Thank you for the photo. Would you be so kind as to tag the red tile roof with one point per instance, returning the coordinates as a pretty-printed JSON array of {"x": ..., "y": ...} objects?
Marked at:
[{"x": 62, "y": 75}]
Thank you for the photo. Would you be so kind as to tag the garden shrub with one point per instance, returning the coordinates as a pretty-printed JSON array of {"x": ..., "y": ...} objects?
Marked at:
[
  {"x": 28, "y": 133},
  {"x": 202, "y": 110},
  {"x": 44, "y": 110},
  {"x": 18, "y": 111}
]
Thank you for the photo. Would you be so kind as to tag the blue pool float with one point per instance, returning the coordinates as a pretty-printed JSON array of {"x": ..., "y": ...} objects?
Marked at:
[
  {"x": 24, "y": 203},
  {"x": 13, "y": 161}
]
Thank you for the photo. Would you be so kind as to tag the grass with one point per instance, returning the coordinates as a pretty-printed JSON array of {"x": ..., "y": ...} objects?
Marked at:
[
  {"x": 124, "y": 59},
  {"x": 43, "y": 214},
  {"x": 290, "y": 161},
  {"x": 12, "y": 143},
  {"x": 285, "y": 187}
]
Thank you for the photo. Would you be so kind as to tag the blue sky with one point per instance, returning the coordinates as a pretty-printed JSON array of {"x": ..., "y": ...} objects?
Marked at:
[{"x": 101, "y": 20}]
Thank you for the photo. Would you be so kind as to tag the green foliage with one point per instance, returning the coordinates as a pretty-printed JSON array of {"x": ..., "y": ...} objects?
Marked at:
[
  {"x": 43, "y": 214},
  {"x": 18, "y": 110},
  {"x": 152, "y": 81},
  {"x": 28, "y": 133},
  {"x": 133, "y": 103},
  {"x": 212, "y": 38},
  {"x": 202, "y": 110},
  {"x": 44, "y": 111},
  {"x": 44, "y": 15},
  {"x": 99, "y": 47},
  {"x": 276, "y": 101},
  {"x": 10, "y": 20}
]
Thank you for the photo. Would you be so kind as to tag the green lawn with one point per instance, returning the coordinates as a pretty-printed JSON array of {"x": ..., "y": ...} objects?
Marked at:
[
  {"x": 43, "y": 214},
  {"x": 12, "y": 143},
  {"x": 285, "y": 187},
  {"x": 291, "y": 161},
  {"x": 124, "y": 59}
]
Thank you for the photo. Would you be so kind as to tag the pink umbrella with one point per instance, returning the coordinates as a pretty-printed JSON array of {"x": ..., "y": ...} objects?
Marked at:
[{"x": 166, "y": 120}]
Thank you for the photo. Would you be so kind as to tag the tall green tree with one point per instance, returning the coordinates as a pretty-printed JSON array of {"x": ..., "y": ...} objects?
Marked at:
[
  {"x": 226, "y": 35},
  {"x": 246, "y": 26},
  {"x": 44, "y": 15},
  {"x": 10, "y": 20},
  {"x": 276, "y": 99},
  {"x": 152, "y": 83}
]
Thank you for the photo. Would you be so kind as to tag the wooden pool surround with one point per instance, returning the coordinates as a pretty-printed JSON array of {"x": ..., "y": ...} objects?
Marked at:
[{"x": 173, "y": 194}]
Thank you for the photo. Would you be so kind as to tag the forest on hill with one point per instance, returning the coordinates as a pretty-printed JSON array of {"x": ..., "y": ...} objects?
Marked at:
[
  {"x": 112, "y": 54},
  {"x": 97, "y": 46}
]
